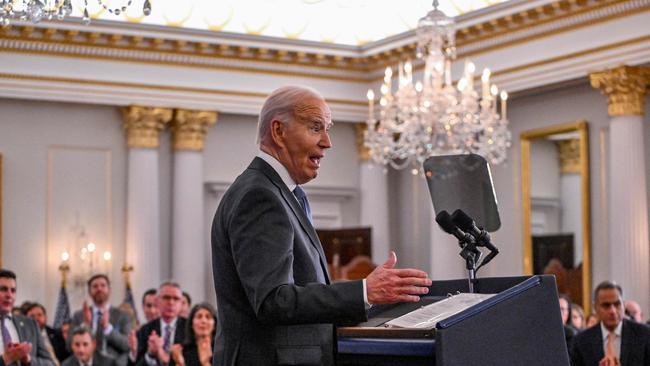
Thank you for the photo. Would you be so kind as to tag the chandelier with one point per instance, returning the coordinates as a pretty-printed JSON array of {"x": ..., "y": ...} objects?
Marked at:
[
  {"x": 432, "y": 117},
  {"x": 36, "y": 10}
]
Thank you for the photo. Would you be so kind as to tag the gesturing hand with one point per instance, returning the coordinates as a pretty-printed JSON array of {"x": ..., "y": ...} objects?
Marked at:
[{"x": 387, "y": 284}]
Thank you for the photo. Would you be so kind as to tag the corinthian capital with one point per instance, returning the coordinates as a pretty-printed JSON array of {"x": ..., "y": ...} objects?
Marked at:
[
  {"x": 143, "y": 125},
  {"x": 364, "y": 152},
  {"x": 190, "y": 127},
  {"x": 624, "y": 87}
]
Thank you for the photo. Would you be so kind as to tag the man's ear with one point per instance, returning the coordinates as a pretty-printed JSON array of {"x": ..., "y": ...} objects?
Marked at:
[{"x": 278, "y": 131}]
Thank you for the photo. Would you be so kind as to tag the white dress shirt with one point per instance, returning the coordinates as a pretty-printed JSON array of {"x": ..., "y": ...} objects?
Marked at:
[
  {"x": 617, "y": 341},
  {"x": 13, "y": 332}
]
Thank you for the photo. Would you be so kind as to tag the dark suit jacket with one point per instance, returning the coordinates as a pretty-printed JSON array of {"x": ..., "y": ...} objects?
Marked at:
[
  {"x": 191, "y": 356},
  {"x": 587, "y": 347},
  {"x": 117, "y": 342},
  {"x": 98, "y": 360},
  {"x": 145, "y": 331},
  {"x": 275, "y": 302},
  {"x": 58, "y": 343},
  {"x": 28, "y": 331}
]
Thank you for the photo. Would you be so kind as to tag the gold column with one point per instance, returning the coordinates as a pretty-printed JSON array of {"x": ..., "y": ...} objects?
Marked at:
[
  {"x": 364, "y": 152},
  {"x": 190, "y": 127},
  {"x": 624, "y": 87},
  {"x": 143, "y": 125}
]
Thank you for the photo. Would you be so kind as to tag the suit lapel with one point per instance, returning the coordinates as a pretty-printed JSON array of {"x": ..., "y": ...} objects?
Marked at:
[
  {"x": 264, "y": 167},
  {"x": 180, "y": 329},
  {"x": 19, "y": 324},
  {"x": 626, "y": 343}
]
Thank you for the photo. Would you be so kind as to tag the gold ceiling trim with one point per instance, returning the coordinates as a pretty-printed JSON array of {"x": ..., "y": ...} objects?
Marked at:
[
  {"x": 507, "y": 25},
  {"x": 161, "y": 87}
]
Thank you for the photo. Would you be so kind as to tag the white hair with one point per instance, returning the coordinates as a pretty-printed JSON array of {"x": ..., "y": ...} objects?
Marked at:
[{"x": 281, "y": 105}]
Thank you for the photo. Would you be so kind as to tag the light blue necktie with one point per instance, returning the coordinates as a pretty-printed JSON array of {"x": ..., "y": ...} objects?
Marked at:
[{"x": 304, "y": 202}]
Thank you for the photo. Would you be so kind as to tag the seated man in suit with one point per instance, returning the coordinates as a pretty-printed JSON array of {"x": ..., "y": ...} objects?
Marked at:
[
  {"x": 21, "y": 341},
  {"x": 153, "y": 340},
  {"x": 614, "y": 340},
  {"x": 83, "y": 348},
  {"x": 54, "y": 341},
  {"x": 109, "y": 325},
  {"x": 277, "y": 304}
]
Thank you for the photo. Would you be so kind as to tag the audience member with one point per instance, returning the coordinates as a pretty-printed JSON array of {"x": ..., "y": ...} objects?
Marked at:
[
  {"x": 53, "y": 338},
  {"x": 186, "y": 305},
  {"x": 577, "y": 317},
  {"x": 633, "y": 311},
  {"x": 110, "y": 325},
  {"x": 153, "y": 340},
  {"x": 565, "y": 311},
  {"x": 150, "y": 305},
  {"x": 196, "y": 350},
  {"x": 592, "y": 320},
  {"x": 84, "y": 350},
  {"x": 616, "y": 341},
  {"x": 21, "y": 342}
]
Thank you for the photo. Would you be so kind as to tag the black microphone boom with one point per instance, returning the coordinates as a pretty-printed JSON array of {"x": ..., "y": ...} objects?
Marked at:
[{"x": 465, "y": 223}]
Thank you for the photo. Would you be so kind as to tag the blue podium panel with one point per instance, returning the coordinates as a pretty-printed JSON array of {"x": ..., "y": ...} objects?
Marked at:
[{"x": 521, "y": 324}]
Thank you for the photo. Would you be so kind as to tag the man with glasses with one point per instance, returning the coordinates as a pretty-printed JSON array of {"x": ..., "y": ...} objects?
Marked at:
[{"x": 154, "y": 339}]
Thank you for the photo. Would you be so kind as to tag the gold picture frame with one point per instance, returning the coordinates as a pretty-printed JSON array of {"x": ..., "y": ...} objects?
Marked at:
[{"x": 581, "y": 128}]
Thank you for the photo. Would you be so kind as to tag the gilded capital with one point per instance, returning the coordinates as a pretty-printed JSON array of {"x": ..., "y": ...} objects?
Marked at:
[
  {"x": 190, "y": 127},
  {"x": 364, "y": 152},
  {"x": 624, "y": 87},
  {"x": 569, "y": 151},
  {"x": 143, "y": 125}
]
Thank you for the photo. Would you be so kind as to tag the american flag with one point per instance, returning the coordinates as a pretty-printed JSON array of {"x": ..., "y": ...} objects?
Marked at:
[
  {"x": 62, "y": 314},
  {"x": 128, "y": 301}
]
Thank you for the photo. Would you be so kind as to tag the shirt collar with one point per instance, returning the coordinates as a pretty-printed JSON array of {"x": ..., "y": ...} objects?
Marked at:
[
  {"x": 279, "y": 168},
  {"x": 172, "y": 324},
  {"x": 605, "y": 333},
  {"x": 103, "y": 309}
]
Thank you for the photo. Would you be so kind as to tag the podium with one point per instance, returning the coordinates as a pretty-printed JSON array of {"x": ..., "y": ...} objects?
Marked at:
[{"x": 520, "y": 325}]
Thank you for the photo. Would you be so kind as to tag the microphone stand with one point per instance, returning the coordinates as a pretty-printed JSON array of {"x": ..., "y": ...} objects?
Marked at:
[{"x": 472, "y": 257}]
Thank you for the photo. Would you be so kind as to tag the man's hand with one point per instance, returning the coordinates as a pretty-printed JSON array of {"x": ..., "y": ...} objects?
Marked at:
[
  {"x": 177, "y": 354},
  {"x": 104, "y": 319},
  {"x": 154, "y": 345},
  {"x": 17, "y": 352},
  {"x": 88, "y": 316},
  {"x": 609, "y": 361},
  {"x": 133, "y": 343},
  {"x": 387, "y": 285}
]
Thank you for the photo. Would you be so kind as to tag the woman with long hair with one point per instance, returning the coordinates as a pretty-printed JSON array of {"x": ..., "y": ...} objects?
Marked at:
[{"x": 199, "y": 338}]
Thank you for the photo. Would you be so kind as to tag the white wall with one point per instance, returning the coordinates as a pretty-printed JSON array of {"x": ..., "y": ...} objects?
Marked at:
[{"x": 71, "y": 135}]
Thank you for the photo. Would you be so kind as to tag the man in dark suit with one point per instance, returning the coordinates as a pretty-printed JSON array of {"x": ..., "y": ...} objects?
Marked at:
[
  {"x": 54, "y": 341},
  {"x": 110, "y": 325},
  {"x": 614, "y": 340},
  {"x": 153, "y": 340},
  {"x": 83, "y": 348},
  {"x": 276, "y": 304},
  {"x": 21, "y": 342}
]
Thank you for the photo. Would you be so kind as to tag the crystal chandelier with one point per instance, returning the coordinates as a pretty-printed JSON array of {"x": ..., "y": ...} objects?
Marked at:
[
  {"x": 432, "y": 117},
  {"x": 36, "y": 10}
]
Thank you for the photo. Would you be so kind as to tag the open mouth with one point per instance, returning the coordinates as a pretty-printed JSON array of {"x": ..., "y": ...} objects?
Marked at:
[{"x": 315, "y": 159}]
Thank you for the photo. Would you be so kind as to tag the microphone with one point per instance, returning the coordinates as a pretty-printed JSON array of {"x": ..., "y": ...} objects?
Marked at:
[
  {"x": 465, "y": 223},
  {"x": 445, "y": 222}
]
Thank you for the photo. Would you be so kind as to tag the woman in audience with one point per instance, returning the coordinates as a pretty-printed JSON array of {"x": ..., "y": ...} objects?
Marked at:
[
  {"x": 201, "y": 329},
  {"x": 577, "y": 317}
]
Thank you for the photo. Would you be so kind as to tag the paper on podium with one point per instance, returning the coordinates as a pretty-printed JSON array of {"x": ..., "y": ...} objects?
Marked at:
[{"x": 428, "y": 316}]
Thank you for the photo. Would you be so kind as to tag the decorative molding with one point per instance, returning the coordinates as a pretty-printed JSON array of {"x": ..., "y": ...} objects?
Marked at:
[
  {"x": 569, "y": 152},
  {"x": 190, "y": 127},
  {"x": 625, "y": 88},
  {"x": 360, "y": 131},
  {"x": 143, "y": 125}
]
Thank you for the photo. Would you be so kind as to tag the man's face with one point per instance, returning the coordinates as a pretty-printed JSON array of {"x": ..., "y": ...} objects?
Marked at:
[
  {"x": 609, "y": 307},
  {"x": 38, "y": 314},
  {"x": 83, "y": 347},
  {"x": 150, "y": 307},
  {"x": 99, "y": 291},
  {"x": 7, "y": 294},
  {"x": 304, "y": 141},
  {"x": 564, "y": 310},
  {"x": 169, "y": 302},
  {"x": 185, "y": 307}
]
